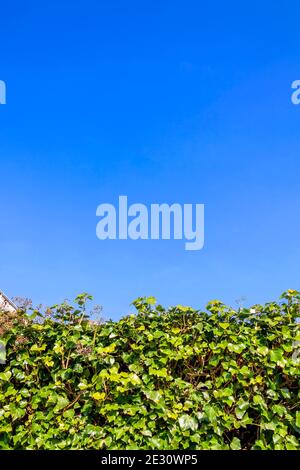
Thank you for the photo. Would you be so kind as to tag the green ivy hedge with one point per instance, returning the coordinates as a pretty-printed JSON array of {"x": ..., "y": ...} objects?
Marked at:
[{"x": 159, "y": 379}]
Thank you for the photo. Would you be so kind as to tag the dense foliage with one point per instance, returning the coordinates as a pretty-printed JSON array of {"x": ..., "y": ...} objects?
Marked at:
[{"x": 159, "y": 379}]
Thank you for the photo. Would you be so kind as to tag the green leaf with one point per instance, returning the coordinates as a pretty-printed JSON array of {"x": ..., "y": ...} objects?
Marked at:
[
  {"x": 160, "y": 379},
  {"x": 235, "y": 444},
  {"x": 263, "y": 350},
  {"x": 183, "y": 308},
  {"x": 36, "y": 348},
  {"x": 210, "y": 413},
  {"x": 188, "y": 422},
  {"x": 278, "y": 409},
  {"x": 285, "y": 393},
  {"x": 69, "y": 414},
  {"x": 151, "y": 300},
  {"x": 298, "y": 419},
  {"x": 224, "y": 325},
  {"x": 98, "y": 396},
  {"x": 5, "y": 376},
  {"x": 61, "y": 403},
  {"x": 241, "y": 408},
  {"x": 276, "y": 355},
  {"x": 155, "y": 396}
]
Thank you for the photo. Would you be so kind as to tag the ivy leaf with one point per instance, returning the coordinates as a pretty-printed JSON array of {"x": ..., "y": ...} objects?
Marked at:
[
  {"x": 235, "y": 444},
  {"x": 36, "y": 348},
  {"x": 69, "y": 414},
  {"x": 5, "y": 376},
  {"x": 155, "y": 396},
  {"x": 241, "y": 408},
  {"x": 98, "y": 396},
  {"x": 276, "y": 355},
  {"x": 237, "y": 348},
  {"x": 151, "y": 300},
  {"x": 188, "y": 422},
  {"x": 263, "y": 350},
  {"x": 173, "y": 378},
  {"x": 61, "y": 403},
  {"x": 298, "y": 419},
  {"x": 224, "y": 325}
]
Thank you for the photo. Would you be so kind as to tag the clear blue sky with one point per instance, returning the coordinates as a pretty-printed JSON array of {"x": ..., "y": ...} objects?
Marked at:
[{"x": 163, "y": 101}]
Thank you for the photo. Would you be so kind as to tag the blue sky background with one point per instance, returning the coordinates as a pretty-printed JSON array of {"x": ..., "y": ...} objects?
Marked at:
[{"x": 163, "y": 101}]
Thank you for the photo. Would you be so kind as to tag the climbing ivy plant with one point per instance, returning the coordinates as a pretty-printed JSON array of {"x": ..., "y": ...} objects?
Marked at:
[{"x": 171, "y": 378}]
